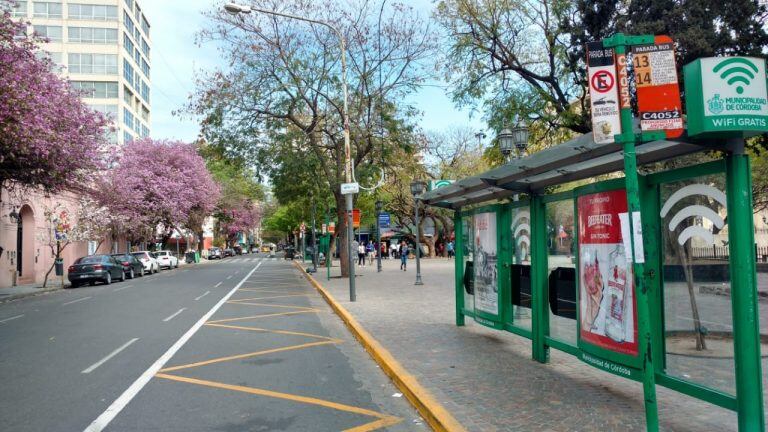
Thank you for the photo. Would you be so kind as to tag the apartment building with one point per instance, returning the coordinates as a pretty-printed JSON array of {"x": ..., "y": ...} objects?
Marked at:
[{"x": 103, "y": 48}]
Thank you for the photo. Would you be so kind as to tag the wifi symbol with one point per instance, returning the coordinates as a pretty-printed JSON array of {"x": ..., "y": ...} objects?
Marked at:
[
  {"x": 695, "y": 210},
  {"x": 740, "y": 70},
  {"x": 522, "y": 230}
]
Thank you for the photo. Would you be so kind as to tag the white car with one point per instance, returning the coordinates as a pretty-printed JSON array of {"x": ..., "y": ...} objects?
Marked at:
[
  {"x": 148, "y": 261},
  {"x": 166, "y": 259}
]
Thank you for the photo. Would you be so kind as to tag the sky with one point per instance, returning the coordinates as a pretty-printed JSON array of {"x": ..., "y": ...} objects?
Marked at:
[{"x": 176, "y": 60}]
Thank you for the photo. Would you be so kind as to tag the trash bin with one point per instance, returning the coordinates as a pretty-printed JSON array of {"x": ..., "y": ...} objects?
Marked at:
[
  {"x": 190, "y": 257},
  {"x": 59, "y": 263}
]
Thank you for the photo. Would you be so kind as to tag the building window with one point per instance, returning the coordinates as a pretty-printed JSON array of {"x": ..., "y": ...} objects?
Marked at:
[
  {"x": 92, "y": 35},
  {"x": 128, "y": 43},
  {"x": 92, "y": 12},
  {"x": 128, "y": 71},
  {"x": 109, "y": 110},
  {"x": 52, "y": 33},
  {"x": 96, "y": 89},
  {"x": 128, "y": 119},
  {"x": 145, "y": 91},
  {"x": 19, "y": 9},
  {"x": 145, "y": 113},
  {"x": 144, "y": 131},
  {"x": 93, "y": 63},
  {"x": 145, "y": 47},
  {"x": 137, "y": 127},
  {"x": 145, "y": 25},
  {"x": 127, "y": 96},
  {"x": 127, "y": 137},
  {"x": 129, "y": 4},
  {"x": 137, "y": 56},
  {"x": 128, "y": 23},
  {"x": 145, "y": 67},
  {"x": 47, "y": 10}
]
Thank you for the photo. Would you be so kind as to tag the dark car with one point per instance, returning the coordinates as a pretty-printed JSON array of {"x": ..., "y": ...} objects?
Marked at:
[
  {"x": 238, "y": 250},
  {"x": 215, "y": 253},
  {"x": 131, "y": 265},
  {"x": 290, "y": 253},
  {"x": 229, "y": 252},
  {"x": 95, "y": 268}
]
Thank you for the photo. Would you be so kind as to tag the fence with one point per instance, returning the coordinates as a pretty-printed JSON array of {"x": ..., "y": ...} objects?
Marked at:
[{"x": 722, "y": 253}]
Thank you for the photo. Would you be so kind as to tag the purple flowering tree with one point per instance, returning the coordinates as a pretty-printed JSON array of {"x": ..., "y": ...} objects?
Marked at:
[
  {"x": 159, "y": 185},
  {"x": 49, "y": 139},
  {"x": 243, "y": 218}
]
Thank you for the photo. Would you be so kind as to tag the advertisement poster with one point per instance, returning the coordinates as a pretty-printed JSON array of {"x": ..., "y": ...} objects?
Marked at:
[
  {"x": 486, "y": 277},
  {"x": 607, "y": 307},
  {"x": 658, "y": 94},
  {"x": 603, "y": 93}
]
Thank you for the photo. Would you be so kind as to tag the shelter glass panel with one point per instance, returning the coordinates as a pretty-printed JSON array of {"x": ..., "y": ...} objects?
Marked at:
[
  {"x": 467, "y": 243},
  {"x": 520, "y": 270},
  {"x": 485, "y": 257},
  {"x": 561, "y": 263},
  {"x": 698, "y": 321}
]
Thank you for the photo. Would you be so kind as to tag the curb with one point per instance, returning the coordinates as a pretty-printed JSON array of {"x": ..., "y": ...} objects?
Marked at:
[
  {"x": 40, "y": 291},
  {"x": 438, "y": 418}
]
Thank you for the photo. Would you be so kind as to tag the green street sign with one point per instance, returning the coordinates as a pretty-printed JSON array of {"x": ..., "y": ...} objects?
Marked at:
[
  {"x": 435, "y": 184},
  {"x": 726, "y": 96}
]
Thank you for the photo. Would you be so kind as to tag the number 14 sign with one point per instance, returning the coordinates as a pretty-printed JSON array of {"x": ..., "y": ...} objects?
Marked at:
[{"x": 658, "y": 92}]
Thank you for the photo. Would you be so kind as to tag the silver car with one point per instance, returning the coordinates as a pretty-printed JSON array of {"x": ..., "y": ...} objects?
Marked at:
[{"x": 148, "y": 260}]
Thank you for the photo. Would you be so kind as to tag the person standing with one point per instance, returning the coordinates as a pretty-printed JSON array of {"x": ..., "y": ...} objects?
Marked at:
[
  {"x": 361, "y": 255},
  {"x": 449, "y": 248},
  {"x": 403, "y": 256},
  {"x": 370, "y": 251}
]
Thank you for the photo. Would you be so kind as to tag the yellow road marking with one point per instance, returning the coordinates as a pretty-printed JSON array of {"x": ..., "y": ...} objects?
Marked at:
[
  {"x": 264, "y": 316},
  {"x": 270, "y": 331},
  {"x": 274, "y": 291},
  {"x": 270, "y": 297},
  {"x": 273, "y": 305},
  {"x": 384, "y": 420},
  {"x": 247, "y": 355}
]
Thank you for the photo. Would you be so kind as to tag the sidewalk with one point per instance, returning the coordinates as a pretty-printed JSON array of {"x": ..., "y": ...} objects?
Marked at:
[
  {"x": 486, "y": 378},
  {"x": 21, "y": 291}
]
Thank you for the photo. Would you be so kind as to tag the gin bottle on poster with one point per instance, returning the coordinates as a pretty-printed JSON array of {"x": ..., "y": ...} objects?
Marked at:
[{"x": 615, "y": 327}]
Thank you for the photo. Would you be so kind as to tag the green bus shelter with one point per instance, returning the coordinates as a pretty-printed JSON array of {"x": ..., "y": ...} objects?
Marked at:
[{"x": 603, "y": 251}]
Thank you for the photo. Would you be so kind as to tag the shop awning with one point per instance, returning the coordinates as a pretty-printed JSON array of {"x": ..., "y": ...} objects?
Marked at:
[{"x": 576, "y": 159}]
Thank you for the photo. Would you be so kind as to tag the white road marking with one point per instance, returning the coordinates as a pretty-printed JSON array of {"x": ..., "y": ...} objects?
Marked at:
[
  {"x": 75, "y": 301},
  {"x": 229, "y": 277},
  {"x": 11, "y": 318},
  {"x": 218, "y": 284},
  {"x": 174, "y": 315},
  {"x": 201, "y": 296},
  {"x": 123, "y": 287},
  {"x": 122, "y": 401},
  {"x": 93, "y": 367}
]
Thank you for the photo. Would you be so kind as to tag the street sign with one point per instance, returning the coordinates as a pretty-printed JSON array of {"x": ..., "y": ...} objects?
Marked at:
[
  {"x": 384, "y": 220},
  {"x": 331, "y": 227},
  {"x": 603, "y": 93},
  {"x": 435, "y": 184},
  {"x": 658, "y": 93},
  {"x": 726, "y": 96},
  {"x": 356, "y": 218},
  {"x": 350, "y": 188}
]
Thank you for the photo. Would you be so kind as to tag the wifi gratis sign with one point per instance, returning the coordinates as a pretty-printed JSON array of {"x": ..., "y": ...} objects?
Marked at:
[{"x": 726, "y": 96}]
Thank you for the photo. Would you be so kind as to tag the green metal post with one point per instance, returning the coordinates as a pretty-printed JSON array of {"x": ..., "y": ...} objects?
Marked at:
[
  {"x": 328, "y": 256},
  {"x": 458, "y": 228},
  {"x": 746, "y": 332},
  {"x": 627, "y": 139},
  {"x": 504, "y": 254},
  {"x": 539, "y": 280}
]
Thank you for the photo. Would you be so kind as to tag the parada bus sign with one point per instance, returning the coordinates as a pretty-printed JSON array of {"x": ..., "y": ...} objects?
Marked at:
[{"x": 726, "y": 96}]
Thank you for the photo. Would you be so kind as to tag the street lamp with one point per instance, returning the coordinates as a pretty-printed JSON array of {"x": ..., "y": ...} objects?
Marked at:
[
  {"x": 379, "y": 205},
  {"x": 417, "y": 188},
  {"x": 235, "y": 8},
  {"x": 515, "y": 139},
  {"x": 480, "y": 137}
]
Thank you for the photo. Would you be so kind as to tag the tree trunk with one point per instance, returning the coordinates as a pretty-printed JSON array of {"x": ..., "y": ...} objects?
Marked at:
[
  {"x": 701, "y": 344},
  {"x": 341, "y": 233},
  {"x": 200, "y": 241}
]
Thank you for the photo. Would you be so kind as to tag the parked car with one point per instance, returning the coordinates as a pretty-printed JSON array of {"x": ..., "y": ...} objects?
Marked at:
[
  {"x": 228, "y": 252},
  {"x": 131, "y": 265},
  {"x": 149, "y": 261},
  {"x": 167, "y": 259},
  {"x": 95, "y": 268},
  {"x": 215, "y": 253},
  {"x": 238, "y": 250}
]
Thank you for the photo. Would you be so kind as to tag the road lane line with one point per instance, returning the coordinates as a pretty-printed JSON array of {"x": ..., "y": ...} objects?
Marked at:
[
  {"x": 201, "y": 296},
  {"x": 122, "y": 401},
  {"x": 122, "y": 288},
  {"x": 174, "y": 315},
  {"x": 93, "y": 367},
  {"x": 229, "y": 277},
  {"x": 11, "y": 318},
  {"x": 75, "y": 301},
  {"x": 218, "y": 284}
]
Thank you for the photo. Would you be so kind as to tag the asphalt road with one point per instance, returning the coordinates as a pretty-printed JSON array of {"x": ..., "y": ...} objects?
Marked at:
[{"x": 244, "y": 344}]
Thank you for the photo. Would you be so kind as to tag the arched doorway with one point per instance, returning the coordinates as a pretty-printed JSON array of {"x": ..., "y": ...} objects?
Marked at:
[{"x": 25, "y": 245}]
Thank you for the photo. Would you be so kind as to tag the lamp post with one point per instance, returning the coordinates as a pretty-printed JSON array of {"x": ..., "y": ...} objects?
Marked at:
[
  {"x": 480, "y": 137},
  {"x": 513, "y": 140},
  {"x": 235, "y": 8},
  {"x": 314, "y": 238},
  {"x": 379, "y": 206},
  {"x": 417, "y": 188}
]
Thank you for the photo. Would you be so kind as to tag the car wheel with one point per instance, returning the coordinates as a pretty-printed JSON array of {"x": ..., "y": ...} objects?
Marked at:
[
  {"x": 131, "y": 275},
  {"x": 122, "y": 278},
  {"x": 75, "y": 284},
  {"x": 157, "y": 269},
  {"x": 108, "y": 279},
  {"x": 141, "y": 273},
  {"x": 177, "y": 264}
]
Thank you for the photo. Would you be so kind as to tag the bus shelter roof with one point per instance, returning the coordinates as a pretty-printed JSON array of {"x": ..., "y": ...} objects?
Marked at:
[{"x": 577, "y": 159}]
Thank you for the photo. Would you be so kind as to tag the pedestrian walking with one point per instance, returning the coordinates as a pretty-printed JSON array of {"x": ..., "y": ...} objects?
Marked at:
[
  {"x": 384, "y": 253},
  {"x": 370, "y": 251},
  {"x": 449, "y": 248},
  {"x": 403, "y": 256},
  {"x": 361, "y": 255}
]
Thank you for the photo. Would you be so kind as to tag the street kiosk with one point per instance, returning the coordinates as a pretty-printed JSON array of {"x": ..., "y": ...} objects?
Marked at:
[{"x": 606, "y": 271}]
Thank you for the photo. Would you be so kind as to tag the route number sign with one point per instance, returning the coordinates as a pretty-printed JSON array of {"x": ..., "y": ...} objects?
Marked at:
[
  {"x": 658, "y": 92},
  {"x": 603, "y": 93}
]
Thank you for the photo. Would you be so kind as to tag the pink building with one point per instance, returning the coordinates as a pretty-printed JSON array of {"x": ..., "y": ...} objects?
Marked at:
[{"x": 26, "y": 255}]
